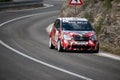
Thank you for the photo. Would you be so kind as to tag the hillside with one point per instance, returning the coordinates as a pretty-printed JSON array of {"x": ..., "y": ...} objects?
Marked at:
[{"x": 105, "y": 18}]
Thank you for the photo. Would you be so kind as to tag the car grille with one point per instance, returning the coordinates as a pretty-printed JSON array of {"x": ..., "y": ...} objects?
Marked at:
[
  {"x": 81, "y": 38},
  {"x": 79, "y": 46}
]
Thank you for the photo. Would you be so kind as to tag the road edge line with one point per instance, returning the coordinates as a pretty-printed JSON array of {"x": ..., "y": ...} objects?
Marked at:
[
  {"x": 109, "y": 55},
  {"x": 44, "y": 63}
]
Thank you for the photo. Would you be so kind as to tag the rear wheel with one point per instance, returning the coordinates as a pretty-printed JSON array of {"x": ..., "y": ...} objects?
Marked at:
[
  {"x": 50, "y": 44},
  {"x": 97, "y": 50},
  {"x": 59, "y": 47}
]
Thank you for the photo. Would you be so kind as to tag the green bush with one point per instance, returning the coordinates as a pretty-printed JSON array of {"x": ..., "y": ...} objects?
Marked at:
[
  {"x": 108, "y": 4},
  {"x": 99, "y": 26},
  {"x": 89, "y": 16},
  {"x": 117, "y": 0},
  {"x": 108, "y": 48},
  {"x": 6, "y": 0}
]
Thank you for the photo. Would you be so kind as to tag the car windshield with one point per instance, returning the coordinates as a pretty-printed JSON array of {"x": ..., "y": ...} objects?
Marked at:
[{"x": 77, "y": 26}]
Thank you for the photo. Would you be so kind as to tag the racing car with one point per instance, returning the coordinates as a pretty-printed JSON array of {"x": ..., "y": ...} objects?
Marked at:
[{"x": 73, "y": 34}]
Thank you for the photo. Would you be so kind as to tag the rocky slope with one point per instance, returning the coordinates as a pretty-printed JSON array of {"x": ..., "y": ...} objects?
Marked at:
[{"x": 105, "y": 18}]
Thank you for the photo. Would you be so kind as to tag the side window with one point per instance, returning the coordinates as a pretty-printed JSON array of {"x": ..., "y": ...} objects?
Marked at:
[{"x": 57, "y": 24}]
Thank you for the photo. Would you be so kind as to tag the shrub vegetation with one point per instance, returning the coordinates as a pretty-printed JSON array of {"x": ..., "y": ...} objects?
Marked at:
[{"x": 108, "y": 4}]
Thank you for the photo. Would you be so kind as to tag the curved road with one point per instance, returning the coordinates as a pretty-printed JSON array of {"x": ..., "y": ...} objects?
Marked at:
[{"x": 24, "y": 52}]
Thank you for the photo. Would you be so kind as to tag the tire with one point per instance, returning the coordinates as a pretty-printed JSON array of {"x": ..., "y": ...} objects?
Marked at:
[
  {"x": 97, "y": 51},
  {"x": 50, "y": 44},
  {"x": 59, "y": 47}
]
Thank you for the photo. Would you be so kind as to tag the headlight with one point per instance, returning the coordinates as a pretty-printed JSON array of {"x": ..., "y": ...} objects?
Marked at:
[
  {"x": 67, "y": 37},
  {"x": 94, "y": 37}
]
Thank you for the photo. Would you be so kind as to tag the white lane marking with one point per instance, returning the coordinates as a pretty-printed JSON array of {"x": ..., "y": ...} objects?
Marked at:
[
  {"x": 34, "y": 59},
  {"x": 44, "y": 63},
  {"x": 47, "y": 5}
]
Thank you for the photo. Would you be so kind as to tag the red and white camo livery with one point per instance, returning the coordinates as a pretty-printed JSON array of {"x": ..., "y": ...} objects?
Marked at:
[{"x": 73, "y": 34}]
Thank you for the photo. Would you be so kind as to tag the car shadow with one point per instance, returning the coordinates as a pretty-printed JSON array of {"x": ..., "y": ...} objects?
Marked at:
[{"x": 79, "y": 52}]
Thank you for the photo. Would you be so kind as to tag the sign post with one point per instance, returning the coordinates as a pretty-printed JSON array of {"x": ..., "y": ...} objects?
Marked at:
[{"x": 75, "y": 2}]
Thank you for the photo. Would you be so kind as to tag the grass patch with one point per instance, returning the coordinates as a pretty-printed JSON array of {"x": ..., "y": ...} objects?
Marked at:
[
  {"x": 108, "y": 48},
  {"x": 99, "y": 26},
  {"x": 89, "y": 16},
  {"x": 108, "y": 4},
  {"x": 117, "y": 0}
]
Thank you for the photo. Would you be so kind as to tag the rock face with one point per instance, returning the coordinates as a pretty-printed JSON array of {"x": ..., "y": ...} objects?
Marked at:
[
  {"x": 105, "y": 17},
  {"x": 110, "y": 30}
]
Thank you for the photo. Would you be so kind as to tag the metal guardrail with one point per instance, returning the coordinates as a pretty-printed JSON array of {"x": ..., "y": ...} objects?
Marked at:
[{"x": 9, "y": 5}]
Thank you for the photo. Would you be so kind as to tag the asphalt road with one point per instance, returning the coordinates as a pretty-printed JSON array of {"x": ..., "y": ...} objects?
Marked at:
[{"x": 26, "y": 56}]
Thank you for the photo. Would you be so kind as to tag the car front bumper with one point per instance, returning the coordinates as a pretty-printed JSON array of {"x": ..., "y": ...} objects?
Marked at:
[{"x": 80, "y": 45}]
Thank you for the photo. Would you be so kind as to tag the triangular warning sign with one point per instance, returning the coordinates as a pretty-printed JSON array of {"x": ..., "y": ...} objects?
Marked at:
[{"x": 75, "y": 2}]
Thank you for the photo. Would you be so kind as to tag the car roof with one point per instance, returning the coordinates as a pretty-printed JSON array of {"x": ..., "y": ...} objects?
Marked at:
[{"x": 72, "y": 19}]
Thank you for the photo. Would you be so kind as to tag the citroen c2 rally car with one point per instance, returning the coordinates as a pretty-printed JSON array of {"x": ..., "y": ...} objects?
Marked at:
[{"x": 73, "y": 34}]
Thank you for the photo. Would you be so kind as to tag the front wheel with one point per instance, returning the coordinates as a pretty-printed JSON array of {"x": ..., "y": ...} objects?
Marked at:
[
  {"x": 59, "y": 47},
  {"x": 97, "y": 50}
]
